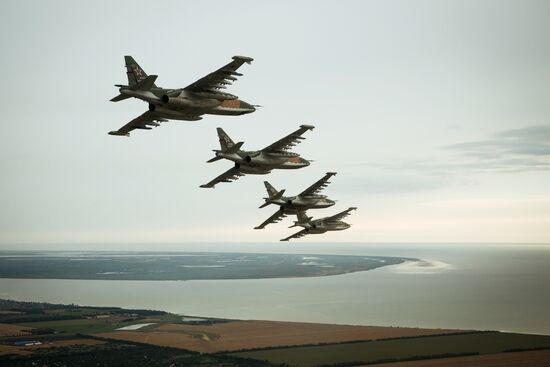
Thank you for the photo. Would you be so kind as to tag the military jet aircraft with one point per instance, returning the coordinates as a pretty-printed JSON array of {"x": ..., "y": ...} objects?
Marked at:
[
  {"x": 307, "y": 199},
  {"x": 321, "y": 225},
  {"x": 204, "y": 96},
  {"x": 259, "y": 162}
]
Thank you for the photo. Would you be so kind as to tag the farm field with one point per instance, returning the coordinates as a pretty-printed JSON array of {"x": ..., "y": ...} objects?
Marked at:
[
  {"x": 239, "y": 335},
  {"x": 88, "y": 336},
  {"x": 536, "y": 358},
  {"x": 10, "y": 349},
  {"x": 400, "y": 349},
  {"x": 13, "y": 330},
  {"x": 82, "y": 326}
]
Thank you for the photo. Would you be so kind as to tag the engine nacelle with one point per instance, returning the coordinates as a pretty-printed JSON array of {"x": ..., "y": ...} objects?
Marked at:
[
  {"x": 184, "y": 102},
  {"x": 176, "y": 102}
]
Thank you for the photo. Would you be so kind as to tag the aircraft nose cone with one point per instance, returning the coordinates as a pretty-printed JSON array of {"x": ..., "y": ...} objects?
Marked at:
[
  {"x": 305, "y": 162},
  {"x": 248, "y": 107}
]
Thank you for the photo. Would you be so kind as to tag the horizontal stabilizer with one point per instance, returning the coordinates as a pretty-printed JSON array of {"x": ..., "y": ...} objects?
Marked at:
[
  {"x": 264, "y": 205},
  {"x": 278, "y": 195},
  {"x": 235, "y": 148},
  {"x": 120, "y": 97},
  {"x": 214, "y": 159},
  {"x": 145, "y": 84}
]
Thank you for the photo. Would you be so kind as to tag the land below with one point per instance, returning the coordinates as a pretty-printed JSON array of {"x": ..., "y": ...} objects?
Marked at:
[
  {"x": 181, "y": 265},
  {"x": 44, "y": 334}
]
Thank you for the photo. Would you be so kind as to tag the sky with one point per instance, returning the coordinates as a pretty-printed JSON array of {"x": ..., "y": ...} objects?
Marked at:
[{"x": 435, "y": 115}]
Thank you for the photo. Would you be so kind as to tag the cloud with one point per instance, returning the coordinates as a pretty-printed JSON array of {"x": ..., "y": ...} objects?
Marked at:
[
  {"x": 517, "y": 150},
  {"x": 507, "y": 151}
]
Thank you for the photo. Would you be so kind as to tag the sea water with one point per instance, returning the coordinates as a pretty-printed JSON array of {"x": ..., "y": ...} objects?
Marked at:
[{"x": 463, "y": 286}]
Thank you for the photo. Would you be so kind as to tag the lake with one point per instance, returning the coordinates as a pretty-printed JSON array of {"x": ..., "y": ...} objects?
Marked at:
[{"x": 466, "y": 286}]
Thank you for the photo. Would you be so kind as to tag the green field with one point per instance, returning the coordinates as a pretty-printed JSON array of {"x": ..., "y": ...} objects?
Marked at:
[
  {"x": 181, "y": 265},
  {"x": 124, "y": 354},
  {"x": 81, "y": 326},
  {"x": 399, "y": 349}
]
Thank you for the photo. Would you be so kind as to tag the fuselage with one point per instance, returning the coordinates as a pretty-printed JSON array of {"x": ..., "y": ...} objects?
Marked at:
[
  {"x": 320, "y": 226},
  {"x": 258, "y": 162},
  {"x": 296, "y": 204},
  {"x": 178, "y": 104}
]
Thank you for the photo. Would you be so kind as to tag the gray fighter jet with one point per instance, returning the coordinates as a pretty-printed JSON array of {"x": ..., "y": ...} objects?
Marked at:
[
  {"x": 321, "y": 225},
  {"x": 259, "y": 162},
  {"x": 307, "y": 199},
  {"x": 205, "y": 96}
]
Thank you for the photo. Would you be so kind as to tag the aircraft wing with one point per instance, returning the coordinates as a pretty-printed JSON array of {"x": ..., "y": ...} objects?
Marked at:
[
  {"x": 341, "y": 215},
  {"x": 276, "y": 217},
  {"x": 228, "y": 176},
  {"x": 288, "y": 141},
  {"x": 214, "y": 82},
  {"x": 318, "y": 186},
  {"x": 144, "y": 122},
  {"x": 300, "y": 234}
]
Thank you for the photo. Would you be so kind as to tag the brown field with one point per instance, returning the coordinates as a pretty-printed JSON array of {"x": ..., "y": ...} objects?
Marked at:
[
  {"x": 238, "y": 335},
  {"x": 539, "y": 358},
  {"x": 13, "y": 330},
  {"x": 11, "y": 349}
]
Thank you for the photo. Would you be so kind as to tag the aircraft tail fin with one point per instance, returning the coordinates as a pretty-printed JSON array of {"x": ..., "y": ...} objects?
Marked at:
[
  {"x": 134, "y": 72},
  {"x": 226, "y": 143},
  {"x": 143, "y": 85},
  {"x": 271, "y": 191},
  {"x": 302, "y": 219}
]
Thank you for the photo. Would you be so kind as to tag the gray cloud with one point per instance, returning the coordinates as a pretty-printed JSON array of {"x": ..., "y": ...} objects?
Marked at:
[
  {"x": 517, "y": 150},
  {"x": 511, "y": 150}
]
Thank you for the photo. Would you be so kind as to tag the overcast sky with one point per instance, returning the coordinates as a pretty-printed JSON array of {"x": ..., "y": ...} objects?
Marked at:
[{"x": 435, "y": 114}]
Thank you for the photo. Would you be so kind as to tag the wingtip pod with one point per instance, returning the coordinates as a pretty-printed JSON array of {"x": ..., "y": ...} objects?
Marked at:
[
  {"x": 331, "y": 173},
  {"x": 118, "y": 133},
  {"x": 246, "y": 59},
  {"x": 353, "y": 208},
  {"x": 206, "y": 186},
  {"x": 284, "y": 239},
  {"x": 309, "y": 127}
]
